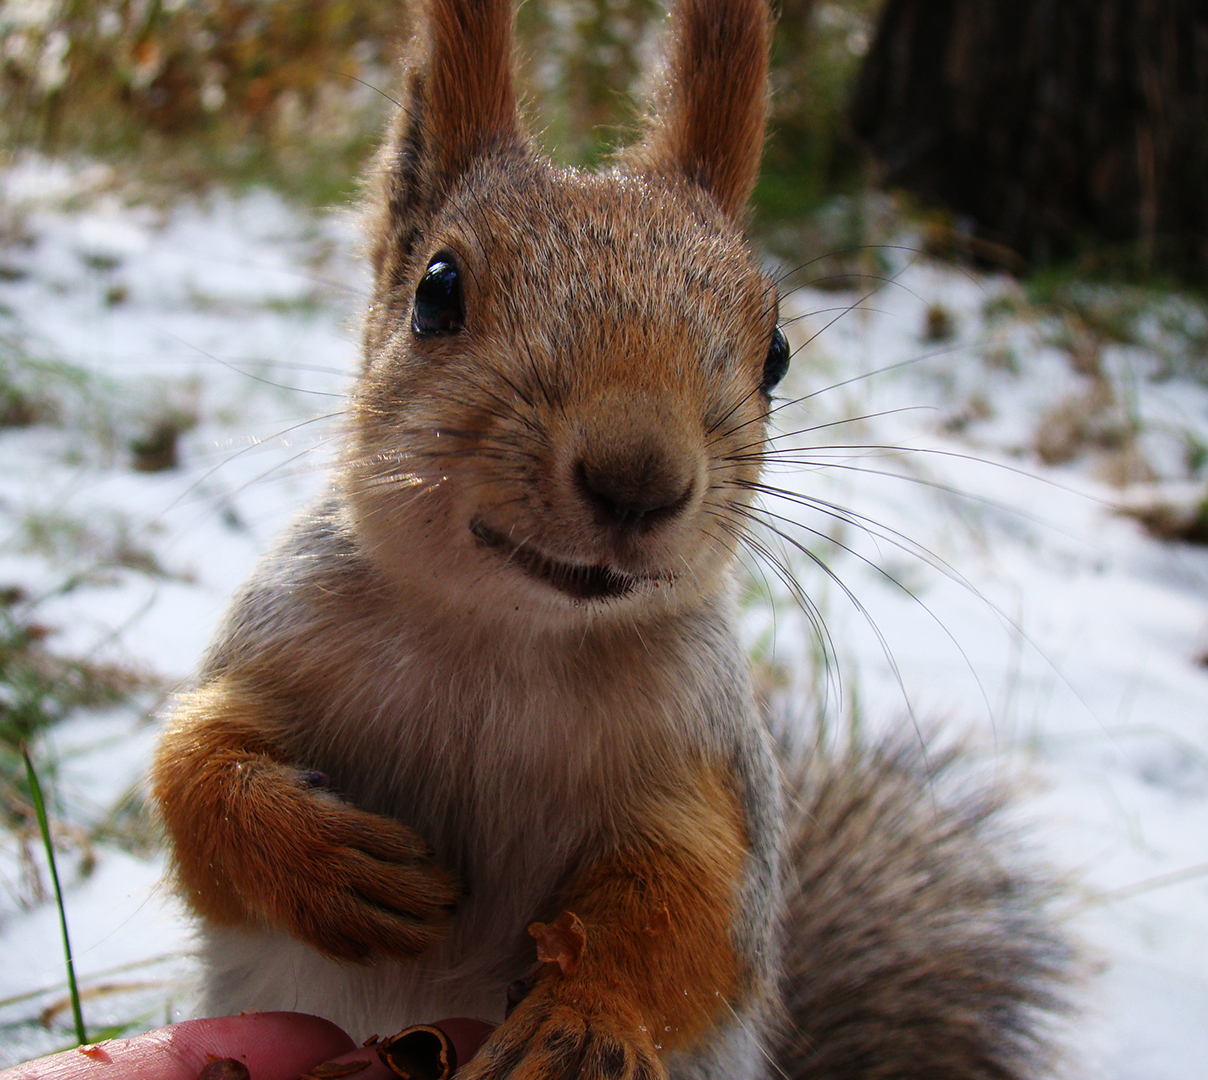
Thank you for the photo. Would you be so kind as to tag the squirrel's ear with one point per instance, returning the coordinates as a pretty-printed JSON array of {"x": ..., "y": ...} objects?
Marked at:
[
  {"x": 465, "y": 89},
  {"x": 458, "y": 104},
  {"x": 709, "y": 110}
]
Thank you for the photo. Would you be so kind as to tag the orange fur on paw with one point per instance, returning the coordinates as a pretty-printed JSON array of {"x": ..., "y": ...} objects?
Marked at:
[
  {"x": 641, "y": 961},
  {"x": 255, "y": 845},
  {"x": 657, "y": 917},
  {"x": 552, "y": 1040}
]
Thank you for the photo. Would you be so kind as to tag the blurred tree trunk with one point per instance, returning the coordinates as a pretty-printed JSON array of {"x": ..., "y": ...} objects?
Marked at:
[{"x": 1049, "y": 122}]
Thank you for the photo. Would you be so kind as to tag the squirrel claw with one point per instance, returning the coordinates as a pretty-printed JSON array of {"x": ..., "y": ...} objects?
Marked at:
[
  {"x": 360, "y": 885},
  {"x": 547, "y": 1040}
]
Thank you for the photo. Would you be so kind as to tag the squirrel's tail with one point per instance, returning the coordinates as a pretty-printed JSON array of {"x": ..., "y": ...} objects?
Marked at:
[{"x": 915, "y": 948}]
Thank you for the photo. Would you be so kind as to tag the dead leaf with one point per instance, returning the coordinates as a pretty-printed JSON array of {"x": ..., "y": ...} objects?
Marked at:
[
  {"x": 421, "y": 1052},
  {"x": 660, "y": 921},
  {"x": 562, "y": 942}
]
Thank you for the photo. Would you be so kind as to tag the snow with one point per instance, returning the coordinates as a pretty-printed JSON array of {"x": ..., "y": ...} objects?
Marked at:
[{"x": 995, "y": 594}]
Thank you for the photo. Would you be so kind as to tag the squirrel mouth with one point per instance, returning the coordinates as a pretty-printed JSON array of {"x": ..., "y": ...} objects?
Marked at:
[{"x": 580, "y": 582}]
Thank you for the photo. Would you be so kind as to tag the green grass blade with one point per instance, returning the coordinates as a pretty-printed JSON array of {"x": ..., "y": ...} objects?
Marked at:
[{"x": 35, "y": 790}]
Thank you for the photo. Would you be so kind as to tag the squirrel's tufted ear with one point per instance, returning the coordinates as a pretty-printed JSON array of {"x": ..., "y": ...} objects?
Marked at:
[
  {"x": 466, "y": 92},
  {"x": 458, "y": 105},
  {"x": 709, "y": 110}
]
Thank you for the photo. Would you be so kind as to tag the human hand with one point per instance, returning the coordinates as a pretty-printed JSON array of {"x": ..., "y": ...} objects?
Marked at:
[{"x": 271, "y": 1046}]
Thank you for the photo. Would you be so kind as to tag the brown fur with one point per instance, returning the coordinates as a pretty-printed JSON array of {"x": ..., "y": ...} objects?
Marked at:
[
  {"x": 658, "y": 914},
  {"x": 270, "y": 853},
  {"x": 602, "y": 401},
  {"x": 917, "y": 947},
  {"x": 507, "y": 632},
  {"x": 470, "y": 97},
  {"x": 709, "y": 128},
  {"x": 458, "y": 106},
  {"x": 658, "y": 967}
]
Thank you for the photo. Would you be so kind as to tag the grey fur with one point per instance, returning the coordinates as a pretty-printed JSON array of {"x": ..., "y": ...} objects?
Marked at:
[
  {"x": 411, "y": 638},
  {"x": 919, "y": 940}
]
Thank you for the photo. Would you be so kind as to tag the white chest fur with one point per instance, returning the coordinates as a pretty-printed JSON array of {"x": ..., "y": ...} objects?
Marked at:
[{"x": 512, "y": 763}]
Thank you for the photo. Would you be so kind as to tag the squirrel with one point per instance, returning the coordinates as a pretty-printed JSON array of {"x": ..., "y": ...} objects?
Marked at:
[{"x": 488, "y": 690}]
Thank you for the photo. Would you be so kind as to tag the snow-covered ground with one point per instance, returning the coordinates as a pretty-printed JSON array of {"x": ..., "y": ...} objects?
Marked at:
[
  {"x": 239, "y": 313},
  {"x": 994, "y": 593}
]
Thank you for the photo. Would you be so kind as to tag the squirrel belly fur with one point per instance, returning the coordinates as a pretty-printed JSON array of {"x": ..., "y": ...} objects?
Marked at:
[{"x": 490, "y": 680}]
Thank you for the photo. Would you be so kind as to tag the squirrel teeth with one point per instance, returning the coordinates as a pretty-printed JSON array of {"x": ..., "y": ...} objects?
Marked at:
[{"x": 578, "y": 581}]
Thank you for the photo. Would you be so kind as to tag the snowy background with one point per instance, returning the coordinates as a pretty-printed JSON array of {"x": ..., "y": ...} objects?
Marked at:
[{"x": 983, "y": 444}]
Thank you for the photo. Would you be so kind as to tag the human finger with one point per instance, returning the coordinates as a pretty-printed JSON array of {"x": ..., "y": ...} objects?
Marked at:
[{"x": 272, "y": 1045}]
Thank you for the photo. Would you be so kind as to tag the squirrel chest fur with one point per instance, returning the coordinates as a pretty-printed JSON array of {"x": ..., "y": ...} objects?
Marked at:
[{"x": 490, "y": 679}]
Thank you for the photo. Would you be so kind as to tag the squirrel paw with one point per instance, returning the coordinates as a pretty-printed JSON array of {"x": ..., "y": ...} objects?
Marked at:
[
  {"x": 548, "y": 1039},
  {"x": 353, "y": 884}
]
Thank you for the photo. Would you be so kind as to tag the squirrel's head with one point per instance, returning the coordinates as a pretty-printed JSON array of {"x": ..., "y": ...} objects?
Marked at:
[{"x": 567, "y": 374}]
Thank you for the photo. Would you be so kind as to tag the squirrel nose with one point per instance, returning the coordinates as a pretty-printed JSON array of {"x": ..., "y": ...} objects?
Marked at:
[{"x": 633, "y": 489}]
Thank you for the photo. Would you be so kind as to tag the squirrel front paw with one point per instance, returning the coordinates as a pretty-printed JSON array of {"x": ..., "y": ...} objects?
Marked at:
[
  {"x": 553, "y": 1036},
  {"x": 353, "y": 884}
]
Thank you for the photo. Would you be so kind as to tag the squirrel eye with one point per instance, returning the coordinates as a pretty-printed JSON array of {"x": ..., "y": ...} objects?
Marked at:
[
  {"x": 438, "y": 307},
  {"x": 777, "y": 363}
]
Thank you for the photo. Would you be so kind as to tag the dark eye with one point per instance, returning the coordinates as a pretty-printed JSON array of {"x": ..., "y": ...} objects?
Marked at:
[
  {"x": 777, "y": 363},
  {"x": 438, "y": 299}
]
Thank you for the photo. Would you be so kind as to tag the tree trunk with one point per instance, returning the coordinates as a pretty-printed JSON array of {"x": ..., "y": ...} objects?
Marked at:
[{"x": 1049, "y": 123}]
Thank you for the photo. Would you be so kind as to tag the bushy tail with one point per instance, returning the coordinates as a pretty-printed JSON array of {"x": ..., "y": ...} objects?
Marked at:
[{"x": 915, "y": 949}]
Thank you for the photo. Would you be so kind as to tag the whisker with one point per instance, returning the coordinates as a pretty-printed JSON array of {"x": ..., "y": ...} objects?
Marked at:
[
  {"x": 251, "y": 374},
  {"x": 804, "y": 602},
  {"x": 753, "y": 515},
  {"x": 948, "y": 489},
  {"x": 367, "y": 85},
  {"x": 897, "y": 365},
  {"x": 239, "y": 453},
  {"x": 906, "y": 545},
  {"x": 814, "y": 312},
  {"x": 833, "y": 424},
  {"x": 852, "y": 250}
]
